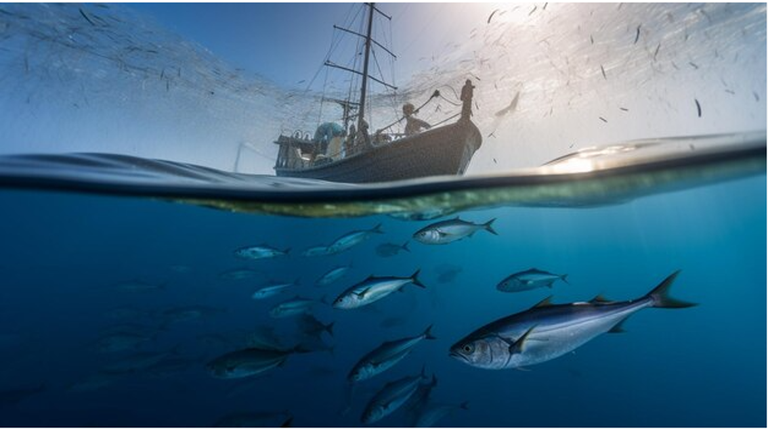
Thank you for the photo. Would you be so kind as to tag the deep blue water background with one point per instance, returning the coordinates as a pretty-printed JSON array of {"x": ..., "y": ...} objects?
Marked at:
[{"x": 701, "y": 366}]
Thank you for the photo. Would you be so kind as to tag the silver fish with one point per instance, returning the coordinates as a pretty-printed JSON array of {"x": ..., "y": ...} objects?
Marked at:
[
  {"x": 238, "y": 274},
  {"x": 546, "y": 331},
  {"x": 271, "y": 290},
  {"x": 191, "y": 312},
  {"x": 292, "y": 307},
  {"x": 353, "y": 238},
  {"x": 386, "y": 356},
  {"x": 528, "y": 280},
  {"x": 434, "y": 412},
  {"x": 373, "y": 289},
  {"x": 387, "y": 250},
  {"x": 333, "y": 275},
  {"x": 261, "y": 251},
  {"x": 391, "y": 397},
  {"x": 248, "y": 362},
  {"x": 317, "y": 251},
  {"x": 451, "y": 230}
]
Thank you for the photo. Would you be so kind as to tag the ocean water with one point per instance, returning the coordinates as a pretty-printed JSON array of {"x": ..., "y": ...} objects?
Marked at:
[{"x": 69, "y": 259}]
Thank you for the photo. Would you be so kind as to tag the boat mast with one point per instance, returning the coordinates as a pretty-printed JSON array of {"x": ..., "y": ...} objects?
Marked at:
[{"x": 363, "y": 89}]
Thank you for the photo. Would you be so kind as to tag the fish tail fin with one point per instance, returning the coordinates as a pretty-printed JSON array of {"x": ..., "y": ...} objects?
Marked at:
[
  {"x": 287, "y": 423},
  {"x": 428, "y": 333},
  {"x": 660, "y": 297},
  {"x": 464, "y": 405},
  {"x": 405, "y": 247},
  {"x": 329, "y": 328},
  {"x": 377, "y": 229},
  {"x": 415, "y": 279},
  {"x": 564, "y": 278},
  {"x": 489, "y": 228}
]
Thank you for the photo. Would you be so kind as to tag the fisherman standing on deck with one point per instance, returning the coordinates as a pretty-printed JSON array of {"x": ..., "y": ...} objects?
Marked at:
[{"x": 413, "y": 125}]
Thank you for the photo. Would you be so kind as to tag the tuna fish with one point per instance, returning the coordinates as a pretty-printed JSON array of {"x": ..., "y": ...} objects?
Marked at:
[
  {"x": 333, "y": 275},
  {"x": 373, "y": 289},
  {"x": 191, "y": 312},
  {"x": 292, "y": 307},
  {"x": 248, "y": 362},
  {"x": 238, "y": 274},
  {"x": 547, "y": 331},
  {"x": 528, "y": 280},
  {"x": 317, "y": 251},
  {"x": 272, "y": 290},
  {"x": 386, "y": 356},
  {"x": 352, "y": 239},
  {"x": 451, "y": 230},
  {"x": 387, "y": 250},
  {"x": 261, "y": 251},
  {"x": 391, "y": 397},
  {"x": 435, "y": 411}
]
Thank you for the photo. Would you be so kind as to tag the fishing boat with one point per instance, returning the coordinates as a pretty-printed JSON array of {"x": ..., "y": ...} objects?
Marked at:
[{"x": 352, "y": 153}]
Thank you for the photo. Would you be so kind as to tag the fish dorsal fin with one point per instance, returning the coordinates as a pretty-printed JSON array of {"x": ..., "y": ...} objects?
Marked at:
[
  {"x": 546, "y": 302},
  {"x": 599, "y": 299}
]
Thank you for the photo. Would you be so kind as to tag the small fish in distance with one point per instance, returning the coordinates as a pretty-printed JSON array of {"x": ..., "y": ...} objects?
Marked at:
[
  {"x": 333, "y": 275},
  {"x": 451, "y": 230},
  {"x": 261, "y": 251},
  {"x": 391, "y": 397},
  {"x": 529, "y": 280},
  {"x": 387, "y": 250}
]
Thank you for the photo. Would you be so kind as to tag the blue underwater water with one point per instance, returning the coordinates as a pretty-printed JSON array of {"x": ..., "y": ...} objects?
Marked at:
[{"x": 64, "y": 255}]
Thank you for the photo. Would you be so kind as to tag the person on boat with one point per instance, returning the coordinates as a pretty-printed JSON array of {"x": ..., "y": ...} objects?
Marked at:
[
  {"x": 413, "y": 125},
  {"x": 328, "y": 136}
]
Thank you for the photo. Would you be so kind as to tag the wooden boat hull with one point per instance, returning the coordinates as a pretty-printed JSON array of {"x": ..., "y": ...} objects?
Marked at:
[{"x": 446, "y": 150}]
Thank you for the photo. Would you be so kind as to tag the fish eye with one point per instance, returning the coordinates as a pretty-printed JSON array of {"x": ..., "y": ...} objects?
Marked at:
[{"x": 468, "y": 348}]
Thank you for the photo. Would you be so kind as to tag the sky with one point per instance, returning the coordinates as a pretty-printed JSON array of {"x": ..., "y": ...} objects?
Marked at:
[{"x": 287, "y": 42}]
